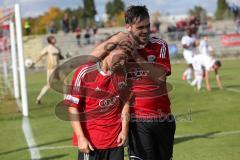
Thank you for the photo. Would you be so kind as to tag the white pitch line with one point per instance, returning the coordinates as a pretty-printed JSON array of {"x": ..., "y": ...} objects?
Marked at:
[
  {"x": 27, "y": 131},
  {"x": 233, "y": 90},
  {"x": 212, "y": 135},
  {"x": 55, "y": 147},
  {"x": 226, "y": 133}
]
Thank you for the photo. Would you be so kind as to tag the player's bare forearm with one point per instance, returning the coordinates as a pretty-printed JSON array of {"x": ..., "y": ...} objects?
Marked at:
[
  {"x": 125, "y": 116},
  {"x": 39, "y": 58},
  {"x": 207, "y": 81},
  {"x": 219, "y": 83},
  {"x": 102, "y": 49},
  {"x": 83, "y": 143},
  {"x": 75, "y": 122},
  {"x": 122, "y": 137}
]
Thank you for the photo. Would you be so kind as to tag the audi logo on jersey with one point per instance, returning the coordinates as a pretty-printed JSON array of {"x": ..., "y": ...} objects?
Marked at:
[
  {"x": 109, "y": 102},
  {"x": 136, "y": 73}
]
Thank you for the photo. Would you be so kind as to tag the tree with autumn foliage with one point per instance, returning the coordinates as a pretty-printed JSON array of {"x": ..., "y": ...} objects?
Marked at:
[
  {"x": 40, "y": 23},
  {"x": 53, "y": 17}
]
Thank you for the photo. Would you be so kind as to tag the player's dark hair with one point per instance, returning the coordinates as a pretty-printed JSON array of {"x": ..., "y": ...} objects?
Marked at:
[
  {"x": 49, "y": 39},
  {"x": 218, "y": 63},
  {"x": 134, "y": 13}
]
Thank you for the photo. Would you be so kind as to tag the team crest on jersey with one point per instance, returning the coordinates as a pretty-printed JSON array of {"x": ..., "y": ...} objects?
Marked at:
[
  {"x": 151, "y": 58},
  {"x": 122, "y": 85}
]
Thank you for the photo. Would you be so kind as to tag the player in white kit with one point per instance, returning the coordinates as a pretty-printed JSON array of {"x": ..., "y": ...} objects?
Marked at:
[
  {"x": 189, "y": 44},
  {"x": 202, "y": 65}
]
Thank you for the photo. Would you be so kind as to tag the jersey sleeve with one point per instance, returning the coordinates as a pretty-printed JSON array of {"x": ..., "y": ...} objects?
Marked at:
[
  {"x": 163, "y": 58},
  {"x": 75, "y": 95}
]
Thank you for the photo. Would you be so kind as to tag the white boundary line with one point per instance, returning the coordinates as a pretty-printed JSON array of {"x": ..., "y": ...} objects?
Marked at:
[
  {"x": 226, "y": 133},
  {"x": 233, "y": 90},
  {"x": 32, "y": 146},
  {"x": 55, "y": 147},
  {"x": 212, "y": 135}
]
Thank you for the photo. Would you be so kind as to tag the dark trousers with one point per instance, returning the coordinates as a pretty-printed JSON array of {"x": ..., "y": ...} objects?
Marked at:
[
  {"x": 103, "y": 154},
  {"x": 151, "y": 139}
]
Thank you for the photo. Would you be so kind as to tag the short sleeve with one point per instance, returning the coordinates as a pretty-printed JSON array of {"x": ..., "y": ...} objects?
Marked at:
[
  {"x": 75, "y": 96},
  {"x": 164, "y": 59}
]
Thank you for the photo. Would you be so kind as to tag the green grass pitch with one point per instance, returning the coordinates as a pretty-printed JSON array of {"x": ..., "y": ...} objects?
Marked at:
[{"x": 207, "y": 123}]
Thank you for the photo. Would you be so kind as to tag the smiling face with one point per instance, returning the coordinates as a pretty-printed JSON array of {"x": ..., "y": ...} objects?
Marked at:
[{"x": 140, "y": 30}]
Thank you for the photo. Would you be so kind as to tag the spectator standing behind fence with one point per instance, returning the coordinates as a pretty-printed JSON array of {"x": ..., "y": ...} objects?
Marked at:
[
  {"x": 74, "y": 23},
  {"x": 94, "y": 37},
  {"x": 52, "y": 27},
  {"x": 78, "y": 36},
  {"x": 65, "y": 23},
  {"x": 87, "y": 36}
]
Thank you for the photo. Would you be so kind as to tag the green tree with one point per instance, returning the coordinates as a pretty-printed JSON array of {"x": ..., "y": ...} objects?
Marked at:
[
  {"x": 119, "y": 6},
  {"x": 89, "y": 12},
  {"x": 114, "y": 8},
  {"x": 198, "y": 11},
  {"x": 222, "y": 9},
  {"x": 109, "y": 9}
]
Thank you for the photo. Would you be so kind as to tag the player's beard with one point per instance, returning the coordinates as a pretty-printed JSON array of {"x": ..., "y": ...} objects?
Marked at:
[{"x": 137, "y": 38}]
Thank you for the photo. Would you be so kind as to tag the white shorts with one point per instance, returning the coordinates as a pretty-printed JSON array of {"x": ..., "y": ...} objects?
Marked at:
[{"x": 188, "y": 56}]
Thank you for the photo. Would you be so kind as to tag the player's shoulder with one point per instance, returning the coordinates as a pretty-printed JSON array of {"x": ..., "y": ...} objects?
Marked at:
[
  {"x": 83, "y": 69},
  {"x": 157, "y": 41}
]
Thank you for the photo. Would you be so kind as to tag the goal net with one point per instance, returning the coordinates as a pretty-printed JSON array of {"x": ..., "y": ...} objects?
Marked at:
[
  {"x": 12, "y": 69},
  {"x": 6, "y": 78}
]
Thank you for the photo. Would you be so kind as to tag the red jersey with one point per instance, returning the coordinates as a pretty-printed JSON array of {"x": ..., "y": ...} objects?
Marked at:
[
  {"x": 97, "y": 96},
  {"x": 151, "y": 99}
]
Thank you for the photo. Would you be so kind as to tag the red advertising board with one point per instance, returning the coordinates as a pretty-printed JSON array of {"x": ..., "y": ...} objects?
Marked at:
[{"x": 231, "y": 40}]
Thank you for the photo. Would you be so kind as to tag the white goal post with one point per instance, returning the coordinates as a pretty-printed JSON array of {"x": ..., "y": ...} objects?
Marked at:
[{"x": 13, "y": 57}]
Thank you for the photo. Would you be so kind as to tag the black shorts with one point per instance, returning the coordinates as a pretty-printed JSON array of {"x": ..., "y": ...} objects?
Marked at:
[
  {"x": 152, "y": 139},
  {"x": 103, "y": 154}
]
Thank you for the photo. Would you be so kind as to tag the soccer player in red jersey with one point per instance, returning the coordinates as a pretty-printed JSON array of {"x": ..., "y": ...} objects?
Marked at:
[
  {"x": 98, "y": 108},
  {"x": 152, "y": 126}
]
